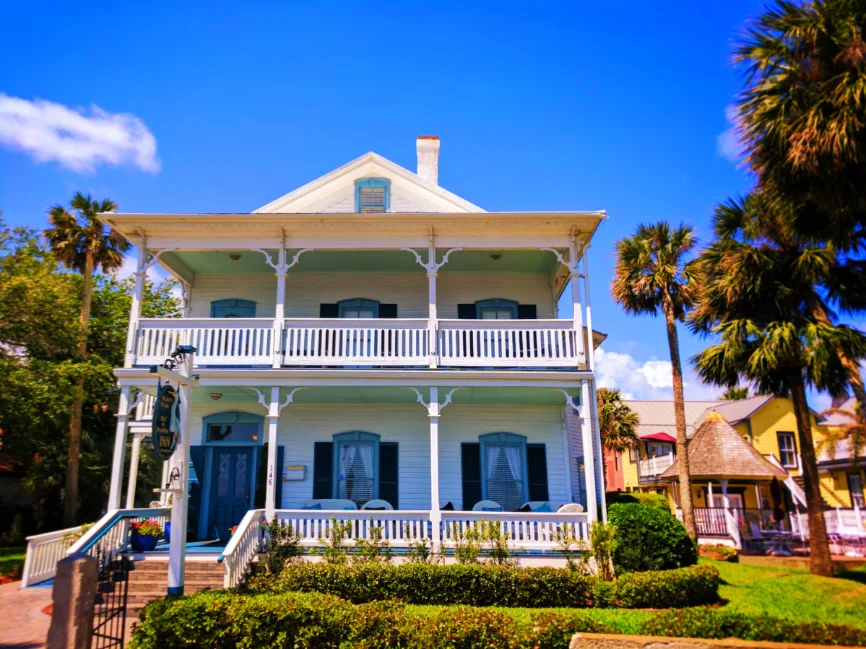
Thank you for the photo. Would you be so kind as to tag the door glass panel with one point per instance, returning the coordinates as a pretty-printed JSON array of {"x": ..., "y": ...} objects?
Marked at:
[
  {"x": 223, "y": 476},
  {"x": 356, "y": 479},
  {"x": 241, "y": 481},
  {"x": 233, "y": 433},
  {"x": 504, "y": 468}
]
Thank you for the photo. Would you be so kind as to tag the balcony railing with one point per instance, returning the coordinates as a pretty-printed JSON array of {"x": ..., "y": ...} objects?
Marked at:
[
  {"x": 655, "y": 466},
  {"x": 364, "y": 342}
]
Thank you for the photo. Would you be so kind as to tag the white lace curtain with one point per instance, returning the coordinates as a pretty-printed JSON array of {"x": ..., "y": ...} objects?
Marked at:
[
  {"x": 356, "y": 479},
  {"x": 504, "y": 473}
]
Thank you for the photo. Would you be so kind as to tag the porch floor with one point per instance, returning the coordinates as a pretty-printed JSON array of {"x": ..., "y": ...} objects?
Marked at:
[{"x": 192, "y": 547}]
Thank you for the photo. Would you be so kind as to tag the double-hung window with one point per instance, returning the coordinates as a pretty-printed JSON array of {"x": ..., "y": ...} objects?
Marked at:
[
  {"x": 372, "y": 195},
  {"x": 356, "y": 465},
  {"x": 787, "y": 450},
  {"x": 358, "y": 308},
  {"x": 496, "y": 309},
  {"x": 503, "y": 469}
]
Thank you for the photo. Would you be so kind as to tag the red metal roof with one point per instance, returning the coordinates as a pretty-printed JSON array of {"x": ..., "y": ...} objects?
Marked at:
[{"x": 660, "y": 437}]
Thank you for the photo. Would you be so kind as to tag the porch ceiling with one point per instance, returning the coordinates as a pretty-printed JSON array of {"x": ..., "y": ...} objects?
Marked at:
[
  {"x": 341, "y": 261},
  {"x": 387, "y": 395}
]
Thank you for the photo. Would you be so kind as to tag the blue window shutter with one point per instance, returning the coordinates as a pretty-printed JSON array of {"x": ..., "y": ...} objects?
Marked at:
[
  {"x": 323, "y": 473},
  {"x": 470, "y": 469},
  {"x": 372, "y": 195},
  {"x": 278, "y": 478},
  {"x": 387, "y": 310},
  {"x": 196, "y": 454},
  {"x": 466, "y": 312},
  {"x": 233, "y": 308},
  {"x": 389, "y": 473},
  {"x": 536, "y": 469},
  {"x": 329, "y": 310},
  {"x": 527, "y": 312}
]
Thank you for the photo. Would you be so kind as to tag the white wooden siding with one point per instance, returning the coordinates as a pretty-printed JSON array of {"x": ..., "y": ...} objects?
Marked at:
[
  {"x": 306, "y": 291},
  {"x": 301, "y": 425}
]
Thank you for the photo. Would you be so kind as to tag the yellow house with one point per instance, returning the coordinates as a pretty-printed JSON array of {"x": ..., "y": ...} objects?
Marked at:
[{"x": 842, "y": 472}]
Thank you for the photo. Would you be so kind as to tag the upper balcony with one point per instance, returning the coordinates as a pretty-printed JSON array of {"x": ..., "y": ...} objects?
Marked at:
[{"x": 369, "y": 342}]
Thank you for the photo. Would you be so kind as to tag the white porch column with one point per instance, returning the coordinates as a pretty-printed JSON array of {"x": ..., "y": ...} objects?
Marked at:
[
  {"x": 179, "y": 483},
  {"x": 709, "y": 493},
  {"x": 590, "y": 351},
  {"x": 432, "y": 326},
  {"x": 279, "y": 308},
  {"x": 273, "y": 421},
  {"x": 135, "y": 308},
  {"x": 588, "y": 451},
  {"x": 435, "y": 511},
  {"x": 596, "y": 433},
  {"x": 725, "y": 501},
  {"x": 574, "y": 278},
  {"x": 119, "y": 450},
  {"x": 133, "y": 471}
]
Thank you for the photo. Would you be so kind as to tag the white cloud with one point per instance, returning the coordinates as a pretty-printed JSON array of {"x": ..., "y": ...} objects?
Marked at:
[
  {"x": 77, "y": 139},
  {"x": 646, "y": 380},
  {"x": 728, "y": 143}
]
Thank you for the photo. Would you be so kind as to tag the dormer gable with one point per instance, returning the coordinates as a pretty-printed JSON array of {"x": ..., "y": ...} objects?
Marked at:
[{"x": 382, "y": 180}]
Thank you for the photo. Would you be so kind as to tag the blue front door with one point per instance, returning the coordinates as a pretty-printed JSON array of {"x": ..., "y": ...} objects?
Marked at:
[{"x": 232, "y": 473}]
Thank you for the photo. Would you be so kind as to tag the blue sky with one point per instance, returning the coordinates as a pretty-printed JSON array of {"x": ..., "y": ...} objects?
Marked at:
[{"x": 539, "y": 105}]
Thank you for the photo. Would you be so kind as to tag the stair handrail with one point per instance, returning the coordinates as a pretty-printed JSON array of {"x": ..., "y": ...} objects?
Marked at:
[
  {"x": 43, "y": 552},
  {"x": 108, "y": 523},
  {"x": 242, "y": 547}
]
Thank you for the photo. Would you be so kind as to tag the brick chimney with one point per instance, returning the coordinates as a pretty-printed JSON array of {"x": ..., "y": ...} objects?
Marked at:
[{"x": 428, "y": 158}]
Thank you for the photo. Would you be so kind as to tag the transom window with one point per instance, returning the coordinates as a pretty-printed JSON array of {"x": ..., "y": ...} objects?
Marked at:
[
  {"x": 787, "y": 450},
  {"x": 496, "y": 309},
  {"x": 358, "y": 308},
  {"x": 356, "y": 463},
  {"x": 238, "y": 428},
  {"x": 503, "y": 469},
  {"x": 372, "y": 195}
]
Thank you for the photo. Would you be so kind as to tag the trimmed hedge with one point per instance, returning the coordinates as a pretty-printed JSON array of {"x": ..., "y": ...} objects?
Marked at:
[
  {"x": 486, "y": 585},
  {"x": 648, "y": 538},
  {"x": 227, "y": 620},
  {"x": 659, "y": 501},
  {"x": 719, "y": 624}
]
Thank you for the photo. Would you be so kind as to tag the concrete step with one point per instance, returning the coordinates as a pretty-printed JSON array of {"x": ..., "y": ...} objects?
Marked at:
[{"x": 148, "y": 580}]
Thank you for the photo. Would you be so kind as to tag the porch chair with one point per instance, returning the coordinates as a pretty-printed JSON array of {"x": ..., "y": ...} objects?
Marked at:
[
  {"x": 571, "y": 508},
  {"x": 487, "y": 506},
  {"x": 330, "y": 504},
  {"x": 536, "y": 506},
  {"x": 377, "y": 504}
]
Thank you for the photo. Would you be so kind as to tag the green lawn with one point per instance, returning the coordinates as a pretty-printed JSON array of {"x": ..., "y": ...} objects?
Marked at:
[
  {"x": 791, "y": 594},
  {"x": 10, "y": 559}
]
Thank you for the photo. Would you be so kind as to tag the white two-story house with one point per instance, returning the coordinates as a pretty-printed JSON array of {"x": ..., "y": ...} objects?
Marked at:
[{"x": 372, "y": 345}]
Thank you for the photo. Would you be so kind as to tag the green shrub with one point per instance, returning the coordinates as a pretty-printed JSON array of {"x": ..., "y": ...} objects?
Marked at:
[
  {"x": 649, "y": 539},
  {"x": 659, "y": 501},
  {"x": 719, "y": 624},
  {"x": 555, "y": 630},
  {"x": 486, "y": 585},
  {"x": 470, "y": 628},
  {"x": 668, "y": 588}
]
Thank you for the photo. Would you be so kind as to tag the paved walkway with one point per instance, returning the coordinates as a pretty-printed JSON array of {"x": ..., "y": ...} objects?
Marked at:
[{"x": 24, "y": 624}]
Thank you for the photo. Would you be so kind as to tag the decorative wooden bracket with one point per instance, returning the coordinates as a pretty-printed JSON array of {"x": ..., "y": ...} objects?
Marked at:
[
  {"x": 290, "y": 397},
  {"x": 145, "y": 265},
  {"x": 285, "y": 265},
  {"x": 431, "y": 266},
  {"x": 428, "y": 405}
]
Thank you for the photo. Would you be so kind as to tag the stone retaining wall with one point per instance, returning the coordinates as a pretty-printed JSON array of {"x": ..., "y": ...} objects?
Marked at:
[{"x": 609, "y": 641}]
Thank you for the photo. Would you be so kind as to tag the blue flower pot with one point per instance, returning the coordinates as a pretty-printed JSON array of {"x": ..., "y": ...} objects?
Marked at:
[{"x": 142, "y": 543}]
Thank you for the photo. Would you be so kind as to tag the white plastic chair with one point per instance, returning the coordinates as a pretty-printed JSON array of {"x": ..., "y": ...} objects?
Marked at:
[
  {"x": 330, "y": 504},
  {"x": 377, "y": 504},
  {"x": 487, "y": 506},
  {"x": 571, "y": 508}
]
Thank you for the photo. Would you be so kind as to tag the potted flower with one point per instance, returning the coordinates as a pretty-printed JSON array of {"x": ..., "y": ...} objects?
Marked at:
[
  {"x": 232, "y": 530},
  {"x": 144, "y": 535}
]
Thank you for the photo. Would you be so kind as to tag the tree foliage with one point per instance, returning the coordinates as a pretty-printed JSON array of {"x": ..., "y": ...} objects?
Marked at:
[
  {"x": 39, "y": 367},
  {"x": 616, "y": 421}
]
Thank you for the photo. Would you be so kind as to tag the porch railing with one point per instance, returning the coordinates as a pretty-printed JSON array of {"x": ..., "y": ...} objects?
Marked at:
[
  {"x": 108, "y": 536},
  {"x": 242, "y": 548},
  {"x": 355, "y": 342},
  {"x": 653, "y": 466},
  {"x": 507, "y": 343},
  {"x": 711, "y": 521},
  {"x": 525, "y": 531},
  {"x": 362, "y": 342},
  {"x": 218, "y": 341}
]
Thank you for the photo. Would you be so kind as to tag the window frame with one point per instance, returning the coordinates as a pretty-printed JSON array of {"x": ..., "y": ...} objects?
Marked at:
[
  {"x": 507, "y": 440},
  {"x": 787, "y": 434},
  {"x": 229, "y": 303},
  {"x": 357, "y": 303},
  {"x": 495, "y": 304},
  {"x": 356, "y": 437},
  {"x": 232, "y": 417},
  {"x": 363, "y": 183}
]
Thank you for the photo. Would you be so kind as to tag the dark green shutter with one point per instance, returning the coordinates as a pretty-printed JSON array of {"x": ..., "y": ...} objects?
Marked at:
[
  {"x": 466, "y": 312},
  {"x": 387, "y": 310},
  {"x": 196, "y": 455},
  {"x": 527, "y": 312},
  {"x": 329, "y": 311},
  {"x": 323, "y": 470},
  {"x": 536, "y": 460},
  {"x": 389, "y": 473},
  {"x": 470, "y": 468}
]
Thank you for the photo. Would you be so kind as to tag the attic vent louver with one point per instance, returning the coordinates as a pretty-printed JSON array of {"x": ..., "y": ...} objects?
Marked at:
[{"x": 372, "y": 195}]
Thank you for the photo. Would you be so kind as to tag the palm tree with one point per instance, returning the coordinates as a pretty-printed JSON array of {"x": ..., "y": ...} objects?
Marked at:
[
  {"x": 801, "y": 112},
  {"x": 652, "y": 276},
  {"x": 734, "y": 393},
  {"x": 617, "y": 422},
  {"x": 82, "y": 242},
  {"x": 754, "y": 297}
]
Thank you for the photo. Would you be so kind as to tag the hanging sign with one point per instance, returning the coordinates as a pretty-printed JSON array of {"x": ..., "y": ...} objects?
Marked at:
[{"x": 166, "y": 422}]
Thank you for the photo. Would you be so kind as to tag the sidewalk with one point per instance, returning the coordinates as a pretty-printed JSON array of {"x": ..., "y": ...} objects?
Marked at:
[{"x": 24, "y": 624}]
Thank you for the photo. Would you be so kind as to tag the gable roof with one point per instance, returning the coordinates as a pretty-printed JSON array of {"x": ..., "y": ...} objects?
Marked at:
[
  {"x": 736, "y": 411},
  {"x": 331, "y": 192},
  {"x": 658, "y": 416},
  {"x": 718, "y": 451},
  {"x": 836, "y": 419}
]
